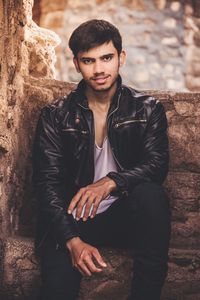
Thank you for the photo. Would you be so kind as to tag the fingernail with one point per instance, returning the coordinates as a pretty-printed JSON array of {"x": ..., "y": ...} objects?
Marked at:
[
  {"x": 77, "y": 219},
  {"x": 69, "y": 211},
  {"x": 84, "y": 219},
  {"x": 91, "y": 216}
]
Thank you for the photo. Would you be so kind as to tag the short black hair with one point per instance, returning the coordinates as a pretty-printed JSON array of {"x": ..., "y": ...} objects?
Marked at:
[{"x": 94, "y": 33}]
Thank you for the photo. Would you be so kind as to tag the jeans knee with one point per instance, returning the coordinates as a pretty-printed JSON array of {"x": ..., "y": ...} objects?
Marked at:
[{"x": 151, "y": 199}]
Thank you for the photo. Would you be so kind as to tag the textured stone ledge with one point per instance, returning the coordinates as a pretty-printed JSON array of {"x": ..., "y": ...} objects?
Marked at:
[{"x": 21, "y": 274}]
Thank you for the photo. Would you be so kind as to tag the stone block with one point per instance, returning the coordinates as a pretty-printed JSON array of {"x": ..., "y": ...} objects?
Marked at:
[
  {"x": 197, "y": 38},
  {"x": 4, "y": 144},
  {"x": 184, "y": 191},
  {"x": 21, "y": 274},
  {"x": 21, "y": 277},
  {"x": 51, "y": 5},
  {"x": 192, "y": 83},
  {"x": 183, "y": 275},
  {"x": 193, "y": 54},
  {"x": 54, "y": 19},
  {"x": 184, "y": 136},
  {"x": 170, "y": 41},
  {"x": 160, "y": 4},
  {"x": 175, "y": 6},
  {"x": 170, "y": 23},
  {"x": 194, "y": 68},
  {"x": 186, "y": 234},
  {"x": 114, "y": 280},
  {"x": 138, "y": 5}
]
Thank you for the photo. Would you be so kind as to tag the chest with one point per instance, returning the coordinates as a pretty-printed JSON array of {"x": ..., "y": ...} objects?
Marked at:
[{"x": 100, "y": 127}]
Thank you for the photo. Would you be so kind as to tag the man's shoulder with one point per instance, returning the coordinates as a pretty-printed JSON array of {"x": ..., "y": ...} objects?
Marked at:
[
  {"x": 58, "y": 106},
  {"x": 141, "y": 98},
  {"x": 140, "y": 95}
]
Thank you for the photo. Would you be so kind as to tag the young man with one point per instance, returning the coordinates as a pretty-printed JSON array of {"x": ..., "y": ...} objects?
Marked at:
[{"x": 100, "y": 157}]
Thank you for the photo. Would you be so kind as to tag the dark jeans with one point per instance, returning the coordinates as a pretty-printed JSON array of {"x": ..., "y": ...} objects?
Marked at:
[{"x": 140, "y": 221}]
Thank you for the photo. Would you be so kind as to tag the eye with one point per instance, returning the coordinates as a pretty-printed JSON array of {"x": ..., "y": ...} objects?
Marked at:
[
  {"x": 107, "y": 58},
  {"x": 87, "y": 61}
]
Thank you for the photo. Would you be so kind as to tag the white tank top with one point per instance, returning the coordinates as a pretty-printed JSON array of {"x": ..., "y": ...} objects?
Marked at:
[{"x": 103, "y": 164}]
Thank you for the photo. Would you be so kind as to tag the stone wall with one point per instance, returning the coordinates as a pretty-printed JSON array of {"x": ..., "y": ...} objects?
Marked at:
[
  {"x": 192, "y": 40},
  {"x": 161, "y": 38},
  {"x": 26, "y": 50},
  {"x": 26, "y": 84},
  {"x": 21, "y": 272}
]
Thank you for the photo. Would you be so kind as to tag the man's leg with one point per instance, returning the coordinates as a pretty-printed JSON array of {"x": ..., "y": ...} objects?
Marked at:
[
  {"x": 150, "y": 207},
  {"x": 60, "y": 281},
  {"x": 141, "y": 221}
]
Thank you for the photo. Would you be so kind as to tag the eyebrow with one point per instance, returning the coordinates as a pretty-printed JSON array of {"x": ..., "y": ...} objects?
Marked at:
[{"x": 92, "y": 58}]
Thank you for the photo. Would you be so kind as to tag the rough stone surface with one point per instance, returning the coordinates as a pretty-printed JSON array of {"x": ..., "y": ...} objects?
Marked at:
[
  {"x": 22, "y": 93},
  {"x": 182, "y": 185},
  {"x": 17, "y": 28},
  {"x": 192, "y": 25},
  {"x": 22, "y": 274}
]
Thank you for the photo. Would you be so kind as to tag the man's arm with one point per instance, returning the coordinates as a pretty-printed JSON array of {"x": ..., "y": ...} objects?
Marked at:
[
  {"x": 153, "y": 167},
  {"x": 48, "y": 177},
  {"x": 155, "y": 155}
]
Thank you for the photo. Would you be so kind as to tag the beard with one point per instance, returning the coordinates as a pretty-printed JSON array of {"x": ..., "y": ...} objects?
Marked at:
[{"x": 100, "y": 88}]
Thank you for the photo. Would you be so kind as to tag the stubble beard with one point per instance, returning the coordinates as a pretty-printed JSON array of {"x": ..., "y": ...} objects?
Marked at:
[{"x": 102, "y": 89}]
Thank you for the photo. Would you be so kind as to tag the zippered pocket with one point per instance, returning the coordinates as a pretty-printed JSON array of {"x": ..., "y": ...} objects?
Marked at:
[
  {"x": 119, "y": 124},
  {"x": 75, "y": 130}
]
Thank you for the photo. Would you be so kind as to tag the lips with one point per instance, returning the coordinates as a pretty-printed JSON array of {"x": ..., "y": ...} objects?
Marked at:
[{"x": 100, "y": 80}]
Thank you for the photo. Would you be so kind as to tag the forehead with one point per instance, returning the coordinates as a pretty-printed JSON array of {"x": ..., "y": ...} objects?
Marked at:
[{"x": 98, "y": 51}]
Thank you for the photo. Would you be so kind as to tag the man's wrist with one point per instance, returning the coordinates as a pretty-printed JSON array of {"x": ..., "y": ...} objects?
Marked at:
[
  {"x": 112, "y": 184},
  {"x": 73, "y": 241}
]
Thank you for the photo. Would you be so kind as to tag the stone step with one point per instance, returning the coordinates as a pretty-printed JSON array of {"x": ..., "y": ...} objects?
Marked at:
[{"x": 21, "y": 277}]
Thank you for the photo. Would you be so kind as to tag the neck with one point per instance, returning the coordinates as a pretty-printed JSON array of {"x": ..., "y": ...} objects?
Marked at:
[{"x": 100, "y": 98}]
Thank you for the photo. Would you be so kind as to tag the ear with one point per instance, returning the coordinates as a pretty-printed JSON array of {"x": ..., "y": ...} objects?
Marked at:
[
  {"x": 75, "y": 61},
  {"x": 122, "y": 58}
]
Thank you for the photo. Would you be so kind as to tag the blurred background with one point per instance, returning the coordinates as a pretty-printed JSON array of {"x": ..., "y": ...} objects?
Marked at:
[{"x": 161, "y": 37}]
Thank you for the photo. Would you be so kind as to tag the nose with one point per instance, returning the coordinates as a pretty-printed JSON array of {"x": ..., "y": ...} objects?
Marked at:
[{"x": 98, "y": 67}]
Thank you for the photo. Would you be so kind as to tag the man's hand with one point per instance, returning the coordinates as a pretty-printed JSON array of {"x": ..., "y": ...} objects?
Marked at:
[
  {"x": 91, "y": 196},
  {"x": 83, "y": 255}
]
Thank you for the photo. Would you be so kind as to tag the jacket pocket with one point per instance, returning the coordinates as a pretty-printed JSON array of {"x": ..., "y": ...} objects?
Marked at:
[
  {"x": 75, "y": 130},
  {"x": 129, "y": 122}
]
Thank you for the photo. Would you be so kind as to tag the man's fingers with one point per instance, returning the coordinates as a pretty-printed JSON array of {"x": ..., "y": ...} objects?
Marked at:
[
  {"x": 88, "y": 208},
  {"x": 83, "y": 267},
  {"x": 90, "y": 264},
  {"x": 98, "y": 258},
  {"x": 79, "y": 269},
  {"x": 74, "y": 201},
  {"x": 80, "y": 205},
  {"x": 95, "y": 207}
]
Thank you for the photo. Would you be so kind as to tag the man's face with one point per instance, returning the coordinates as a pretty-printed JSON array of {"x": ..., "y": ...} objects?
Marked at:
[{"x": 99, "y": 66}]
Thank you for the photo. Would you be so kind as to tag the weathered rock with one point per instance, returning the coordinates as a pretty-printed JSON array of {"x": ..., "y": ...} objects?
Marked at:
[
  {"x": 22, "y": 274},
  {"x": 22, "y": 97},
  {"x": 41, "y": 43},
  {"x": 183, "y": 190}
]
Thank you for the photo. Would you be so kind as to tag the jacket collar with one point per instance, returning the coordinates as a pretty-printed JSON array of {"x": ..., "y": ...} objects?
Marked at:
[{"x": 81, "y": 99}]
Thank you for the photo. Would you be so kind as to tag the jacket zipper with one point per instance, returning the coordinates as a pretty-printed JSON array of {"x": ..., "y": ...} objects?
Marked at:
[
  {"x": 130, "y": 121},
  {"x": 75, "y": 130},
  {"x": 92, "y": 133},
  {"x": 108, "y": 135}
]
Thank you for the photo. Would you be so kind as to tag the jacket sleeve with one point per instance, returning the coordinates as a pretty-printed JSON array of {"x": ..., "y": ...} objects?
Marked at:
[
  {"x": 153, "y": 166},
  {"x": 48, "y": 178}
]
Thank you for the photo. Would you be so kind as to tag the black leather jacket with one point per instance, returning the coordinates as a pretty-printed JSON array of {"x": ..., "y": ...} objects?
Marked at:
[{"x": 63, "y": 155}]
